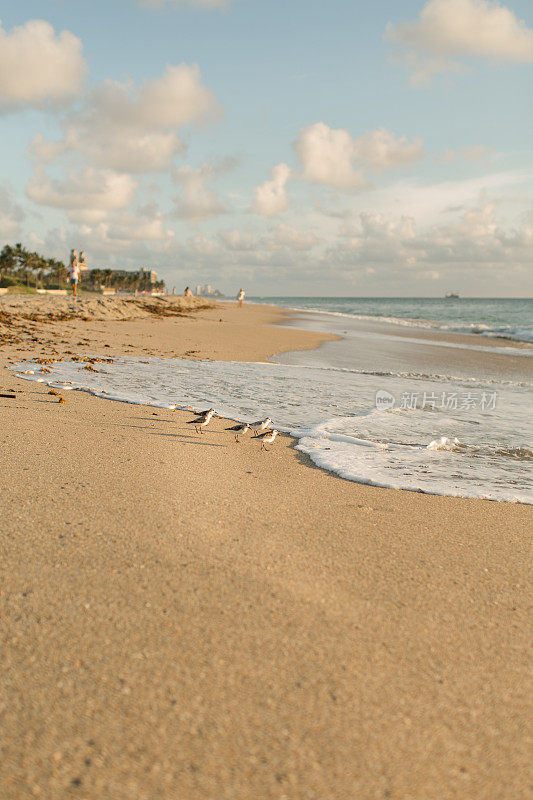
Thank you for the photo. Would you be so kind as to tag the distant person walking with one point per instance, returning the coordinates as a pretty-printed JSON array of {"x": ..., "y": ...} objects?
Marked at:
[
  {"x": 187, "y": 292},
  {"x": 74, "y": 271},
  {"x": 240, "y": 297}
]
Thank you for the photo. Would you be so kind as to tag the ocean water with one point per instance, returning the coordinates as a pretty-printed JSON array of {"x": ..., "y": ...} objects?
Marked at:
[
  {"x": 462, "y": 435},
  {"x": 504, "y": 318}
]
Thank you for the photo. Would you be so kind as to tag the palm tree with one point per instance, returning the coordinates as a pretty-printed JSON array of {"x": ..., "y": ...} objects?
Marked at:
[
  {"x": 61, "y": 273},
  {"x": 20, "y": 256},
  {"x": 32, "y": 263},
  {"x": 7, "y": 259},
  {"x": 97, "y": 277},
  {"x": 51, "y": 265}
]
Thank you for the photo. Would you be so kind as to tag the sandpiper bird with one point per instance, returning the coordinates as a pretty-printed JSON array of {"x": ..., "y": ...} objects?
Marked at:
[
  {"x": 202, "y": 421},
  {"x": 267, "y": 437},
  {"x": 243, "y": 427},
  {"x": 261, "y": 425}
]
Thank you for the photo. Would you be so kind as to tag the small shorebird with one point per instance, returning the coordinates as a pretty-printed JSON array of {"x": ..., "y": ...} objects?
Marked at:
[
  {"x": 243, "y": 427},
  {"x": 261, "y": 425},
  {"x": 202, "y": 421},
  {"x": 267, "y": 438}
]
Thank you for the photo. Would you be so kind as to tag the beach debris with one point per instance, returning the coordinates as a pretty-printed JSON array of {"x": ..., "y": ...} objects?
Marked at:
[
  {"x": 9, "y": 396},
  {"x": 61, "y": 400},
  {"x": 202, "y": 420},
  {"x": 267, "y": 438},
  {"x": 94, "y": 359},
  {"x": 243, "y": 427},
  {"x": 53, "y": 391},
  {"x": 90, "y": 368}
]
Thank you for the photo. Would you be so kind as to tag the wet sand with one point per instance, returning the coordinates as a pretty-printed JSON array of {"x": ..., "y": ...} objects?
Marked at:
[
  {"x": 415, "y": 349},
  {"x": 185, "y": 617}
]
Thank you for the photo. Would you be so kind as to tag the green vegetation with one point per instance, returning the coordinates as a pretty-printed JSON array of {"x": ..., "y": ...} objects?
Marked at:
[
  {"x": 121, "y": 280},
  {"x": 20, "y": 268},
  {"x": 25, "y": 271}
]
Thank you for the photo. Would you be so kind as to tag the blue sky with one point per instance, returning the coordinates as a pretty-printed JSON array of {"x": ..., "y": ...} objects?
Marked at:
[{"x": 405, "y": 156}]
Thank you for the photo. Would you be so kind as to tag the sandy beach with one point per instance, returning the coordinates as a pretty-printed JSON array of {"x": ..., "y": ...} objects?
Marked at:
[{"x": 185, "y": 618}]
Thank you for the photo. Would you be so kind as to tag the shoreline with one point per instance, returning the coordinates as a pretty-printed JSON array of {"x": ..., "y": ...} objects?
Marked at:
[
  {"x": 190, "y": 617},
  {"x": 314, "y": 343},
  {"x": 408, "y": 327},
  {"x": 303, "y": 456}
]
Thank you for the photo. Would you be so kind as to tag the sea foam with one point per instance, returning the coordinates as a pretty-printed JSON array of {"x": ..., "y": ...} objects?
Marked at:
[{"x": 468, "y": 451}]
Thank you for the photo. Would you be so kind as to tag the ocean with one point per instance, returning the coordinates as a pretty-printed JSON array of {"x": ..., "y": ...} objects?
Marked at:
[
  {"x": 382, "y": 405},
  {"x": 505, "y": 318}
]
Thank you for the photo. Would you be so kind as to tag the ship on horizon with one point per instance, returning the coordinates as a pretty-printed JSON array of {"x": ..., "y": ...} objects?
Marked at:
[{"x": 451, "y": 295}]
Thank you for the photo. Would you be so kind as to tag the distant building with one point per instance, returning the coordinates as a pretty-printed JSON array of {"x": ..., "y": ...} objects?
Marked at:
[
  {"x": 82, "y": 262},
  {"x": 151, "y": 274},
  {"x": 208, "y": 291}
]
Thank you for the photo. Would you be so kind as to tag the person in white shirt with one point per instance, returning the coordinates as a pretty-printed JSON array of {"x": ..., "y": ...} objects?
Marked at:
[
  {"x": 240, "y": 297},
  {"x": 74, "y": 271}
]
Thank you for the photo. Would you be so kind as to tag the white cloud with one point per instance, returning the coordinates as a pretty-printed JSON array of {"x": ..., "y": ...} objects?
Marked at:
[
  {"x": 326, "y": 156},
  {"x": 271, "y": 196},
  {"x": 116, "y": 238},
  {"x": 427, "y": 202},
  {"x": 44, "y": 152},
  {"x": 377, "y": 238},
  {"x": 238, "y": 241},
  {"x": 124, "y": 149},
  {"x": 282, "y": 237},
  {"x": 177, "y": 98},
  {"x": 381, "y": 148},
  {"x": 91, "y": 189},
  {"x": 202, "y": 246},
  {"x": 131, "y": 128},
  {"x": 334, "y": 158},
  {"x": 291, "y": 238},
  {"x": 198, "y": 201},
  {"x": 447, "y": 29},
  {"x": 121, "y": 229},
  {"x": 474, "y": 239},
  {"x": 37, "y": 66}
]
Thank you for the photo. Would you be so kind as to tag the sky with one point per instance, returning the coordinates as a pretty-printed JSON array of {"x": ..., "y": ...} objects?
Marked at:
[{"x": 295, "y": 148}]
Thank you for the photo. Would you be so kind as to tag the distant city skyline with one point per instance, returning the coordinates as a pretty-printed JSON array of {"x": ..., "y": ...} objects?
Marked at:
[{"x": 299, "y": 149}]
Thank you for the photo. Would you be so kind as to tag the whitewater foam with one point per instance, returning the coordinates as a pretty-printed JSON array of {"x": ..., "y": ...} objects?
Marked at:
[{"x": 468, "y": 451}]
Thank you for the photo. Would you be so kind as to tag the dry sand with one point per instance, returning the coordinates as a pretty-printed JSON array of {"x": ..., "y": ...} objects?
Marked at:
[{"x": 188, "y": 618}]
